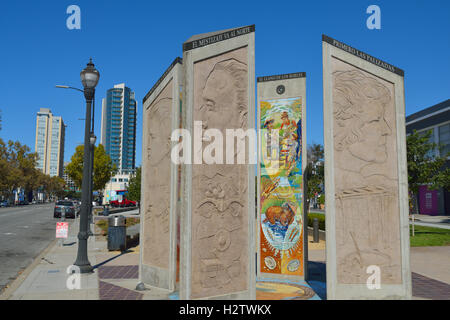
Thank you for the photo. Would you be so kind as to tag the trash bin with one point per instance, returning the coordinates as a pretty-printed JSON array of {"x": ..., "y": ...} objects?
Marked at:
[{"x": 117, "y": 233}]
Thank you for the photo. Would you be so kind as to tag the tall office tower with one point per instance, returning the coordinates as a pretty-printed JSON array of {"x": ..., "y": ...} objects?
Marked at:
[
  {"x": 118, "y": 136},
  {"x": 70, "y": 184},
  {"x": 50, "y": 137}
]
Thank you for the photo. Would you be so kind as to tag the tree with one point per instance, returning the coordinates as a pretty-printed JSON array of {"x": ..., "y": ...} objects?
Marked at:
[
  {"x": 17, "y": 167},
  {"x": 103, "y": 167},
  {"x": 56, "y": 187},
  {"x": 18, "y": 170},
  {"x": 424, "y": 166},
  {"x": 134, "y": 188},
  {"x": 314, "y": 171}
]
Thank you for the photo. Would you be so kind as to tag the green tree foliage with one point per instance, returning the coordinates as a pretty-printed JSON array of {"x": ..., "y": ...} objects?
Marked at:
[
  {"x": 134, "y": 188},
  {"x": 424, "y": 166},
  {"x": 314, "y": 172},
  {"x": 18, "y": 169},
  {"x": 103, "y": 167}
]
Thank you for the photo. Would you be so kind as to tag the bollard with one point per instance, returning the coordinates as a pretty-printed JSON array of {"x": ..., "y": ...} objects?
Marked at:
[{"x": 315, "y": 230}]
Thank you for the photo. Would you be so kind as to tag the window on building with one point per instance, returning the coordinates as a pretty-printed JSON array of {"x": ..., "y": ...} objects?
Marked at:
[
  {"x": 444, "y": 139},
  {"x": 431, "y": 153}
]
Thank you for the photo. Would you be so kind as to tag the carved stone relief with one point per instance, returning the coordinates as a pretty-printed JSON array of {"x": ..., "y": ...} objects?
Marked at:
[
  {"x": 365, "y": 173},
  {"x": 219, "y": 197},
  {"x": 157, "y": 164}
]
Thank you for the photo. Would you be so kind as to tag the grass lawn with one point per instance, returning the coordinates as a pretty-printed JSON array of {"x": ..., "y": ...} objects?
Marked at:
[{"x": 428, "y": 236}]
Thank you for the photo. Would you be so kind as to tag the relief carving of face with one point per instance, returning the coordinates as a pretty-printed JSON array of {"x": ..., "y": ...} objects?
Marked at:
[
  {"x": 159, "y": 131},
  {"x": 224, "y": 95},
  {"x": 374, "y": 129},
  {"x": 359, "y": 115}
]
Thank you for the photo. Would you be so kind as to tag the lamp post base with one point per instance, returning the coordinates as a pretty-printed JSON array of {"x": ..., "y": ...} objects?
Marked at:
[{"x": 86, "y": 268}]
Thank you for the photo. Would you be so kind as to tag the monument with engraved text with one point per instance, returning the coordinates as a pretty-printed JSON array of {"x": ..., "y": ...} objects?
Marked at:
[
  {"x": 217, "y": 242},
  {"x": 281, "y": 229},
  {"x": 367, "y": 227}
]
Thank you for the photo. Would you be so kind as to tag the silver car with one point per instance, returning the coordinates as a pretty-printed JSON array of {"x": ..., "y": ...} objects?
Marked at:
[{"x": 69, "y": 207}]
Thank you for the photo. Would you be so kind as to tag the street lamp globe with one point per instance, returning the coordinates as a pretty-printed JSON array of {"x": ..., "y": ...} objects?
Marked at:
[
  {"x": 93, "y": 138},
  {"x": 89, "y": 76}
]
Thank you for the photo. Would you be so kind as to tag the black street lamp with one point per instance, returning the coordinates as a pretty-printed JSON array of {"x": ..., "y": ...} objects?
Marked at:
[
  {"x": 92, "y": 140},
  {"x": 89, "y": 79}
]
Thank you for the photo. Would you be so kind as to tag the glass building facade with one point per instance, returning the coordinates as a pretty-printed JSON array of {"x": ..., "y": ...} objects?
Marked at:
[{"x": 118, "y": 136}]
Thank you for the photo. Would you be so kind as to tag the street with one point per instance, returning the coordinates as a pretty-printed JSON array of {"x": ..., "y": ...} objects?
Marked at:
[{"x": 24, "y": 232}]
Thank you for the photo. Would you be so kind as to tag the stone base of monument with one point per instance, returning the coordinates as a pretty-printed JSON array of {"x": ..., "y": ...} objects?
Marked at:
[{"x": 278, "y": 289}]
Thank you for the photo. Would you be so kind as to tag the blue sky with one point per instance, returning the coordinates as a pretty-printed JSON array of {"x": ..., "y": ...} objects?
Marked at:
[{"x": 135, "y": 41}]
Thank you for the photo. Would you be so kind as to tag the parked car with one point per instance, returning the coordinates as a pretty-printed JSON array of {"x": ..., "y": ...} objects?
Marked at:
[
  {"x": 4, "y": 203},
  {"x": 124, "y": 203},
  {"x": 69, "y": 207}
]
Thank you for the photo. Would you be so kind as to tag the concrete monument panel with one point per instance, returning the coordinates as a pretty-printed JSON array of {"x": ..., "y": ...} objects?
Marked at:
[
  {"x": 217, "y": 256},
  {"x": 365, "y": 173},
  {"x": 160, "y": 182}
]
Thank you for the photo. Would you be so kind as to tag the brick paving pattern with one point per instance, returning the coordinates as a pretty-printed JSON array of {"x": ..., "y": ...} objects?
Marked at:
[
  {"x": 109, "y": 291},
  {"x": 424, "y": 287},
  {"x": 118, "y": 272}
]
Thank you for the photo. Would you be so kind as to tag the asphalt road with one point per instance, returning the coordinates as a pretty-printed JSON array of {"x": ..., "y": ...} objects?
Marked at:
[{"x": 24, "y": 232}]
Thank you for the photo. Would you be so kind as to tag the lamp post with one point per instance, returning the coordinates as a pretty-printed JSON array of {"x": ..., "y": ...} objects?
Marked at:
[
  {"x": 92, "y": 140},
  {"x": 89, "y": 79}
]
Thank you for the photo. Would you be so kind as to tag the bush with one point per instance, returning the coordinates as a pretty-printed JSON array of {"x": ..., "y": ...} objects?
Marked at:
[
  {"x": 321, "y": 199},
  {"x": 319, "y": 216}
]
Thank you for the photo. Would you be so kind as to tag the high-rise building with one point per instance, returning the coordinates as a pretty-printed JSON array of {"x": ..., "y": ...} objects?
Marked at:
[
  {"x": 70, "y": 185},
  {"x": 50, "y": 137},
  {"x": 118, "y": 132}
]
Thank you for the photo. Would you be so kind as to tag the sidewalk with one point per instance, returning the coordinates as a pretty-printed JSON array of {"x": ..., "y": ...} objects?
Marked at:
[
  {"x": 432, "y": 219},
  {"x": 46, "y": 277},
  {"x": 115, "y": 275}
]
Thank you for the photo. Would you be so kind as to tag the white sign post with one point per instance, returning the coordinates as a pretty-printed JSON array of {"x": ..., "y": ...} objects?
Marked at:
[{"x": 62, "y": 228}]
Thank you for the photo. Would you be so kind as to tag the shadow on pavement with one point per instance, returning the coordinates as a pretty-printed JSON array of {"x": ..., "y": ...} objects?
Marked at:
[
  {"x": 110, "y": 259},
  {"x": 317, "y": 278}
]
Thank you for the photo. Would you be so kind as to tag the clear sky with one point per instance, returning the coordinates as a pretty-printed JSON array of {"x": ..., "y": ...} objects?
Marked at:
[{"x": 135, "y": 41}]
